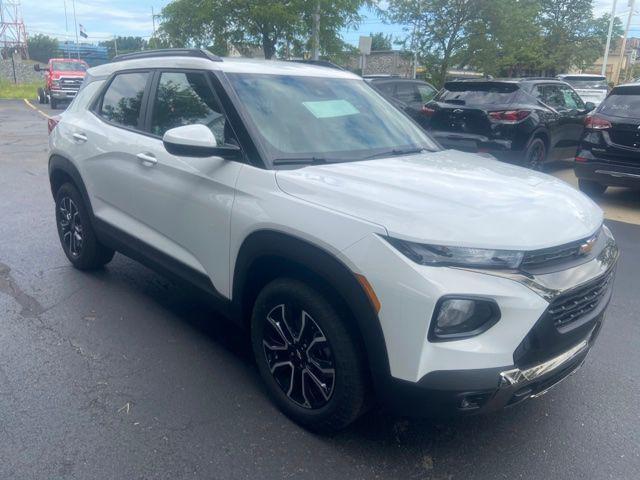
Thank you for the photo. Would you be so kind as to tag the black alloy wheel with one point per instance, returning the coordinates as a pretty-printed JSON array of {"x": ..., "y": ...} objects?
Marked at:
[
  {"x": 299, "y": 356},
  {"x": 535, "y": 155},
  {"x": 70, "y": 226},
  {"x": 310, "y": 359}
]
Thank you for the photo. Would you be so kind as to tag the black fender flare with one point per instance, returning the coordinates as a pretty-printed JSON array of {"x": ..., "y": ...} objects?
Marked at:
[
  {"x": 270, "y": 243},
  {"x": 61, "y": 168}
]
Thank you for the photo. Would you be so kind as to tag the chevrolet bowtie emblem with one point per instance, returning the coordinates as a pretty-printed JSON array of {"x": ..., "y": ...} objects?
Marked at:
[{"x": 587, "y": 246}]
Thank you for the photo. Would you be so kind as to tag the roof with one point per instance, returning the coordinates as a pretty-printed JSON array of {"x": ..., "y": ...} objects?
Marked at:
[
  {"x": 506, "y": 80},
  {"x": 225, "y": 64},
  {"x": 579, "y": 75}
]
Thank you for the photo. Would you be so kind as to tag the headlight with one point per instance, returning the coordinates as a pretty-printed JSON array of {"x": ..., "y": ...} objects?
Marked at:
[
  {"x": 55, "y": 83},
  {"x": 455, "y": 318},
  {"x": 440, "y": 255}
]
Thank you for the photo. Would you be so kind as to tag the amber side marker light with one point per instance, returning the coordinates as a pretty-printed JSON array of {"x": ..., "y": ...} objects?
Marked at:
[{"x": 373, "y": 298}]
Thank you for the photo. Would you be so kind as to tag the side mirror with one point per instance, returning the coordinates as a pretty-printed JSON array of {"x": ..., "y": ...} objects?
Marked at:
[
  {"x": 197, "y": 141},
  {"x": 589, "y": 107},
  {"x": 36, "y": 67}
]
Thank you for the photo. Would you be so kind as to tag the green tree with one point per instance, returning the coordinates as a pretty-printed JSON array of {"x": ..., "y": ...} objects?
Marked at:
[
  {"x": 42, "y": 47},
  {"x": 380, "y": 41},
  {"x": 438, "y": 29},
  {"x": 572, "y": 36},
  {"x": 269, "y": 24},
  {"x": 125, "y": 45}
]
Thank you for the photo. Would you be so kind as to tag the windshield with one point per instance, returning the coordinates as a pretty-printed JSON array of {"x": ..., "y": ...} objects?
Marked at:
[
  {"x": 301, "y": 118},
  {"x": 599, "y": 83},
  {"x": 622, "y": 102},
  {"x": 69, "y": 67}
]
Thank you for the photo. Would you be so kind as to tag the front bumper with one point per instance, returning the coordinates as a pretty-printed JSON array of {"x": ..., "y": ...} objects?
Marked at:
[
  {"x": 63, "y": 94},
  {"x": 458, "y": 393}
]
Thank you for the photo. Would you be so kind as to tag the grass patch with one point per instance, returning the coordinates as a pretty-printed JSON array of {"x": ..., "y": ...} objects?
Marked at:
[{"x": 10, "y": 90}]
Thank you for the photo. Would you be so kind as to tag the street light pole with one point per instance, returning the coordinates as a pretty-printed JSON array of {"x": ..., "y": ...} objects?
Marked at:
[
  {"x": 624, "y": 39},
  {"x": 75, "y": 22},
  {"x": 606, "y": 48},
  {"x": 315, "y": 52}
]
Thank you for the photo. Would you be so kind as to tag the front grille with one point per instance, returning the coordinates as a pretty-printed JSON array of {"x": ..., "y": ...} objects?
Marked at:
[
  {"x": 556, "y": 255},
  {"x": 70, "y": 83},
  {"x": 575, "y": 304}
]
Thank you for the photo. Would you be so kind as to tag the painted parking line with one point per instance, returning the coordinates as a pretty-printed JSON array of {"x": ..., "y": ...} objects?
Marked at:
[{"x": 36, "y": 108}]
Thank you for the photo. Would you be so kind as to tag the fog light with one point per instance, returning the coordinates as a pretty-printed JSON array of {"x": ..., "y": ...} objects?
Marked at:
[{"x": 456, "y": 318}]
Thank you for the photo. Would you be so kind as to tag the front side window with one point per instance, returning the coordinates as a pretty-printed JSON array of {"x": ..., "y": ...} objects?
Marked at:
[
  {"x": 426, "y": 93},
  {"x": 572, "y": 100},
  {"x": 122, "y": 101},
  {"x": 407, "y": 92},
  {"x": 335, "y": 119},
  {"x": 185, "y": 98}
]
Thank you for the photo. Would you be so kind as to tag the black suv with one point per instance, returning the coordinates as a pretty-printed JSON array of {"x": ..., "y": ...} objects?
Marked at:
[
  {"x": 609, "y": 151},
  {"x": 525, "y": 121},
  {"x": 410, "y": 96}
]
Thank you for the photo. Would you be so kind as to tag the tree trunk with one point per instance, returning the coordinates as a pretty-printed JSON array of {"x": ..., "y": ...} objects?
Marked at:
[{"x": 268, "y": 46}]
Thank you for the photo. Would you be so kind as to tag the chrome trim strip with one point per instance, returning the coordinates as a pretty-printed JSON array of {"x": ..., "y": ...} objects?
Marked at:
[
  {"x": 618, "y": 174},
  {"x": 515, "y": 376}
]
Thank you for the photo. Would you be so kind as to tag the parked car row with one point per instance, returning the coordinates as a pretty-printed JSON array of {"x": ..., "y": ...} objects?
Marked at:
[{"x": 532, "y": 121}]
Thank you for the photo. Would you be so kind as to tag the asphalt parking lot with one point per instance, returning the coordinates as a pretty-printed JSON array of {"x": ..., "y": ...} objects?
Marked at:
[{"x": 123, "y": 374}]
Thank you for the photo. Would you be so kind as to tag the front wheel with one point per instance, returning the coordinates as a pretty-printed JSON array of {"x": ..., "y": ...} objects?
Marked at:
[
  {"x": 591, "y": 188},
  {"x": 41, "y": 96},
  {"x": 54, "y": 103},
  {"x": 535, "y": 155},
  {"x": 312, "y": 365},
  {"x": 79, "y": 242}
]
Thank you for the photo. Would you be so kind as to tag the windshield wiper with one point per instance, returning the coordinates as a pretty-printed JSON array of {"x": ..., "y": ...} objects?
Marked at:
[
  {"x": 396, "y": 152},
  {"x": 302, "y": 161}
]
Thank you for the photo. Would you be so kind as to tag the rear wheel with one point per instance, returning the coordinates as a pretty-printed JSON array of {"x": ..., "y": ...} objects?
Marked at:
[
  {"x": 313, "y": 368},
  {"x": 591, "y": 188},
  {"x": 77, "y": 237},
  {"x": 535, "y": 155}
]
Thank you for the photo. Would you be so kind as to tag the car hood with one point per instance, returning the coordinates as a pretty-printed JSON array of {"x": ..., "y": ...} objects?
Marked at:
[{"x": 451, "y": 198}]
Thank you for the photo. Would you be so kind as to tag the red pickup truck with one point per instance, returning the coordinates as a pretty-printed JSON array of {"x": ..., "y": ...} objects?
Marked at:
[{"x": 63, "y": 77}]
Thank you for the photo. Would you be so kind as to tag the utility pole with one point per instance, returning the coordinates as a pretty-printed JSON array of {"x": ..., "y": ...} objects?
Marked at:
[
  {"x": 415, "y": 51},
  {"x": 153, "y": 19},
  {"x": 632, "y": 4},
  {"x": 75, "y": 22},
  {"x": 606, "y": 48},
  {"x": 315, "y": 33},
  {"x": 115, "y": 44}
]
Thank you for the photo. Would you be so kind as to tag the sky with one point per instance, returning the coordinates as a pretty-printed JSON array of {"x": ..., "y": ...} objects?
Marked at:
[{"x": 103, "y": 19}]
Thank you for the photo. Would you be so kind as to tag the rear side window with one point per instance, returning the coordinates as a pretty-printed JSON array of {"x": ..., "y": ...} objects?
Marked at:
[
  {"x": 185, "y": 98},
  {"x": 122, "y": 101},
  {"x": 478, "y": 93},
  {"x": 622, "y": 102}
]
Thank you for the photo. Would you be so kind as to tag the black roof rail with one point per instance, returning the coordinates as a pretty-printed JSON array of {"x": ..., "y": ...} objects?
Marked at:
[{"x": 169, "y": 52}]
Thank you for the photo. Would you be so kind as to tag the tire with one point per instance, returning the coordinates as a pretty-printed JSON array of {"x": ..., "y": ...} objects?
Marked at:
[
  {"x": 591, "y": 188},
  {"x": 76, "y": 234},
  {"x": 41, "y": 96},
  {"x": 297, "y": 352},
  {"x": 54, "y": 104},
  {"x": 535, "y": 155}
]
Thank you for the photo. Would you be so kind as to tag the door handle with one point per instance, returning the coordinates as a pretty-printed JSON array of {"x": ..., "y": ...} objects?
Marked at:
[
  {"x": 147, "y": 159},
  {"x": 79, "y": 137}
]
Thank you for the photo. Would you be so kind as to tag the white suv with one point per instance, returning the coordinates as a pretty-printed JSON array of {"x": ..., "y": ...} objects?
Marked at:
[{"x": 362, "y": 257}]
